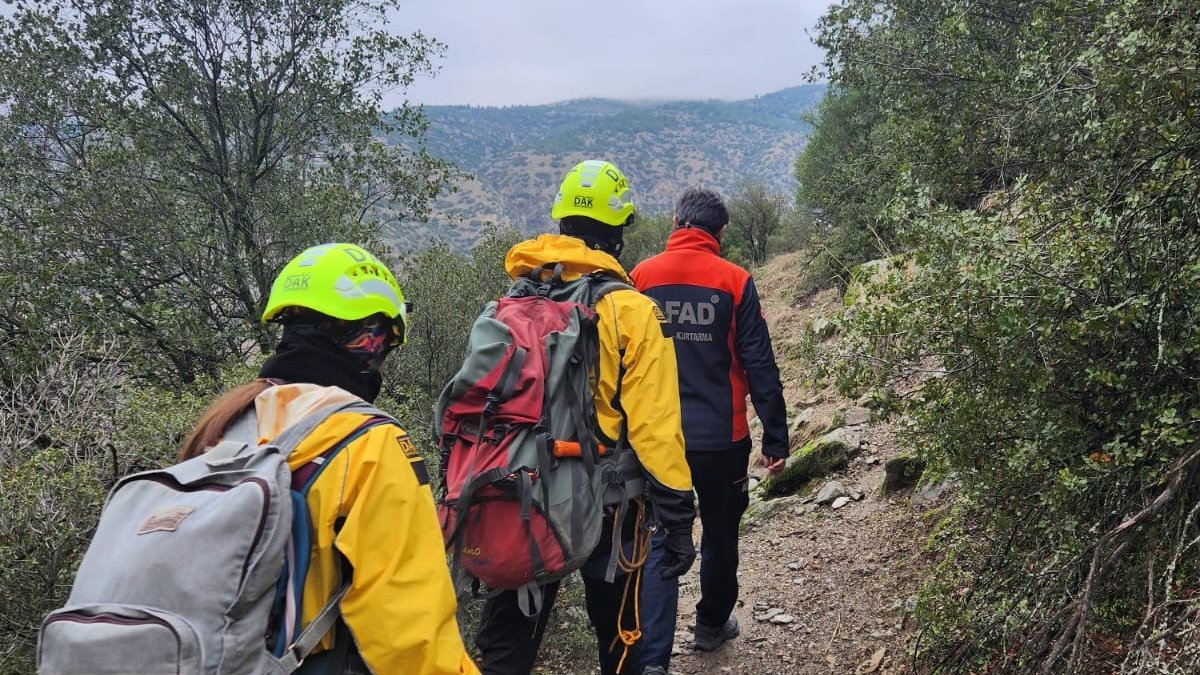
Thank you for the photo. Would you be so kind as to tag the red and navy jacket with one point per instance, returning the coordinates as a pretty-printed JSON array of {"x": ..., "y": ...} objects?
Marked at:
[{"x": 721, "y": 344}]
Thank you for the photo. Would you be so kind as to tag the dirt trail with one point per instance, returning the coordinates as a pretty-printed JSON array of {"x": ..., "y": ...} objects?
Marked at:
[{"x": 845, "y": 576}]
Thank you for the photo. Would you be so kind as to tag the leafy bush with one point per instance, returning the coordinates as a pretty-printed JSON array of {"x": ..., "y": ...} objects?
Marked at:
[
  {"x": 1066, "y": 410},
  {"x": 756, "y": 215},
  {"x": 68, "y": 431},
  {"x": 49, "y": 501},
  {"x": 448, "y": 290},
  {"x": 1047, "y": 194}
]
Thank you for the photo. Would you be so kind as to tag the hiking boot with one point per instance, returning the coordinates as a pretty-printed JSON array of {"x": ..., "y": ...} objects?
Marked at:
[
  {"x": 707, "y": 638},
  {"x": 654, "y": 670}
]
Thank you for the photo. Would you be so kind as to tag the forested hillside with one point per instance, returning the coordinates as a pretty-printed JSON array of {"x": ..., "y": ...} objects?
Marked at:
[{"x": 517, "y": 154}]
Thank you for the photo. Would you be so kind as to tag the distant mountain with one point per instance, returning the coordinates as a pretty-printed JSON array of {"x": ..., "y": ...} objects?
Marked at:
[{"x": 519, "y": 153}]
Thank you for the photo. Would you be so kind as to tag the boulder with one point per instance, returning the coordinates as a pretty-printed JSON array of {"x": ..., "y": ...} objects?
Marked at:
[
  {"x": 800, "y": 420},
  {"x": 805, "y": 427},
  {"x": 849, "y": 439},
  {"x": 760, "y": 510},
  {"x": 901, "y": 473},
  {"x": 819, "y": 457}
]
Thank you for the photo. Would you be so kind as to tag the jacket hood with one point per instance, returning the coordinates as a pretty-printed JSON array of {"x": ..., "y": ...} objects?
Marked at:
[
  {"x": 576, "y": 258},
  {"x": 281, "y": 406},
  {"x": 693, "y": 238}
]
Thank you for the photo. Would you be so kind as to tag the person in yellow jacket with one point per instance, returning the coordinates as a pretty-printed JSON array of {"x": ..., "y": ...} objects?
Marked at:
[
  {"x": 372, "y": 508},
  {"x": 637, "y": 384}
]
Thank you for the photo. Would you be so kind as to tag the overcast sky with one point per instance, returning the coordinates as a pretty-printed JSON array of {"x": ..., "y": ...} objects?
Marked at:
[{"x": 541, "y": 51}]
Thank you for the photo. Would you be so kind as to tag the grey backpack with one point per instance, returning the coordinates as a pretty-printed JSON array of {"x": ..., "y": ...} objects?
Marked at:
[{"x": 193, "y": 569}]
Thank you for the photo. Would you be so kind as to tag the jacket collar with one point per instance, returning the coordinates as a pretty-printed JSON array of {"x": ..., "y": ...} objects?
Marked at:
[
  {"x": 576, "y": 258},
  {"x": 693, "y": 239}
]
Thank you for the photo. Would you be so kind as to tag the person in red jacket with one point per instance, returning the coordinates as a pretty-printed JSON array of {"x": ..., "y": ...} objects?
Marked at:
[{"x": 724, "y": 354}]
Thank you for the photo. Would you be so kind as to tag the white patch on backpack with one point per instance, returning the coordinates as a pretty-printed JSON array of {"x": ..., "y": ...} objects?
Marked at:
[{"x": 166, "y": 519}]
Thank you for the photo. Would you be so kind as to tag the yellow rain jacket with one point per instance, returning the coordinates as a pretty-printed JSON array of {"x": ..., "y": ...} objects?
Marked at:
[
  {"x": 401, "y": 605},
  {"x": 633, "y": 351}
]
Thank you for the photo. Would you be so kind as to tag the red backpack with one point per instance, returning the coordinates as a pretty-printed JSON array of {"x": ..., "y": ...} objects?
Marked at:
[{"x": 525, "y": 479}]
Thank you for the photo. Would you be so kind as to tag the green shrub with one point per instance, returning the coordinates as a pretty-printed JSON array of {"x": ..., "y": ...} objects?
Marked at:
[
  {"x": 1040, "y": 162},
  {"x": 68, "y": 431},
  {"x": 48, "y": 503},
  {"x": 1068, "y": 406},
  {"x": 846, "y": 182}
]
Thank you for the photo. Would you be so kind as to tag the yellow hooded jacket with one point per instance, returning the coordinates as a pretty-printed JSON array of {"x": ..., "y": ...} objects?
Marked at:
[
  {"x": 633, "y": 350},
  {"x": 400, "y": 607}
]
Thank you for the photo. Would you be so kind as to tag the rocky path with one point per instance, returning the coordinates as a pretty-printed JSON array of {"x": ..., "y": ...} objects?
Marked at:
[{"x": 823, "y": 589}]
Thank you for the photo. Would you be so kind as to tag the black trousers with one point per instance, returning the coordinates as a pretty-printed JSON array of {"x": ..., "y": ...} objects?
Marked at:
[
  {"x": 721, "y": 482},
  {"x": 723, "y": 490},
  {"x": 508, "y": 641}
]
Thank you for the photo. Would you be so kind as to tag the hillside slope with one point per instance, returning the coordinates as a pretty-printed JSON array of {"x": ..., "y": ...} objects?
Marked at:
[{"x": 518, "y": 154}]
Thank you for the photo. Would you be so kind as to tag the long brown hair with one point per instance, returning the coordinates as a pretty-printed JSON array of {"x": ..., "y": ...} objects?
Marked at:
[{"x": 219, "y": 416}]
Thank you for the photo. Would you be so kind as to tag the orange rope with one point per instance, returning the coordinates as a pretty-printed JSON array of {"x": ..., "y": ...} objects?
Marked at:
[{"x": 632, "y": 566}]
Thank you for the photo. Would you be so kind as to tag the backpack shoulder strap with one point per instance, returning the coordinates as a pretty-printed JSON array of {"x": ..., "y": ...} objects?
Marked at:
[
  {"x": 602, "y": 283},
  {"x": 311, "y": 636},
  {"x": 296, "y": 433}
]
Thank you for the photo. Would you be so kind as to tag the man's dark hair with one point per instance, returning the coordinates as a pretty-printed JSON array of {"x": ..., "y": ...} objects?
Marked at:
[
  {"x": 595, "y": 234},
  {"x": 703, "y": 208}
]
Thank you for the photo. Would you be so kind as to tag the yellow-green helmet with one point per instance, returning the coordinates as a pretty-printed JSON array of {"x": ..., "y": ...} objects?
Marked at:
[
  {"x": 595, "y": 189},
  {"x": 343, "y": 281}
]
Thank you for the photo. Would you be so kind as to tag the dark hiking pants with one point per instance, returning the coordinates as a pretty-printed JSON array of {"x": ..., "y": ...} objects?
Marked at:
[{"x": 721, "y": 485}]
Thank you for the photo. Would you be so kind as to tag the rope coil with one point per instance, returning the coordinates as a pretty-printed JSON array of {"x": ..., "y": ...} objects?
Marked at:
[{"x": 632, "y": 566}]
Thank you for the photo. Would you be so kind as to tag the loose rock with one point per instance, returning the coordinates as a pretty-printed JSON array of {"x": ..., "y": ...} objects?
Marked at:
[
  {"x": 830, "y": 492},
  {"x": 876, "y": 660},
  {"x": 768, "y": 615},
  {"x": 823, "y": 328},
  {"x": 931, "y": 493}
]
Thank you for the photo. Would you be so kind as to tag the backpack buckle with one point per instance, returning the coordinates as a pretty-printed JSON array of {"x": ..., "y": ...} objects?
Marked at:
[
  {"x": 613, "y": 476},
  {"x": 495, "y": 433}
]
